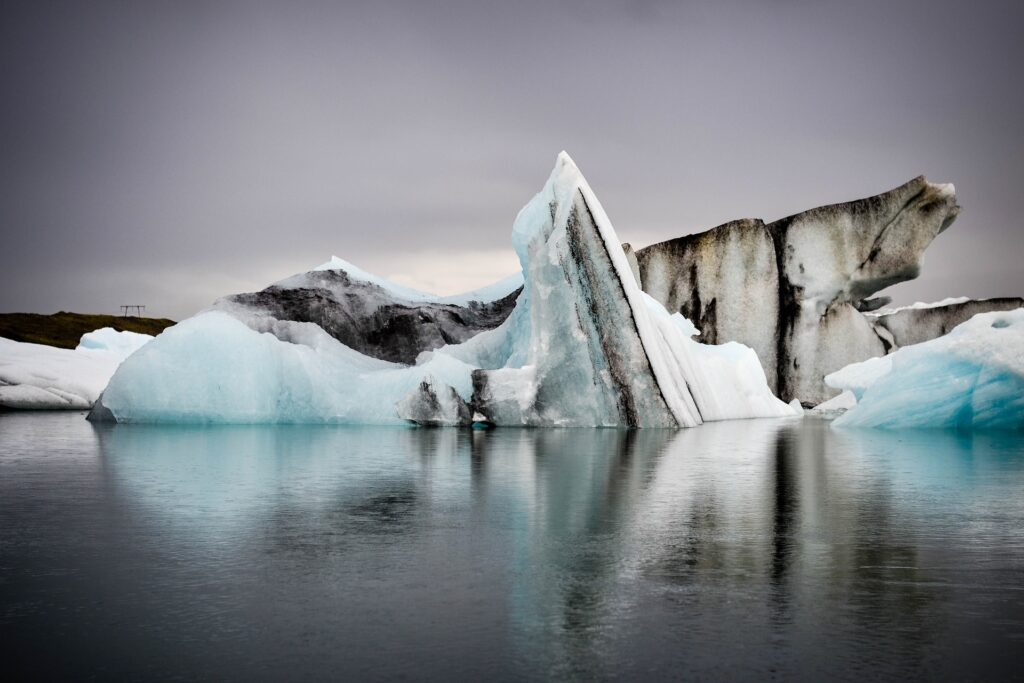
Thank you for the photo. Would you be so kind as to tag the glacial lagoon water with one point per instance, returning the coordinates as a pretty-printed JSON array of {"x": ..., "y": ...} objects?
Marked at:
[{"x": 761, "y": 549}]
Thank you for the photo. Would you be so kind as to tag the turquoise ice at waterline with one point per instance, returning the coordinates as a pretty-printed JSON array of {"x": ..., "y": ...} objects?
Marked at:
[{"x": 971, "y": 378}]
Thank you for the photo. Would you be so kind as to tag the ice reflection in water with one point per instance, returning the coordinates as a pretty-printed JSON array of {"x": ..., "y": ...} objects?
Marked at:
[{"x": 739, "y": 549}]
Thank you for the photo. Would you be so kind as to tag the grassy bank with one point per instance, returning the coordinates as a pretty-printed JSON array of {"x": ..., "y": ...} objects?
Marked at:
[{"x": 65, "y": 329}]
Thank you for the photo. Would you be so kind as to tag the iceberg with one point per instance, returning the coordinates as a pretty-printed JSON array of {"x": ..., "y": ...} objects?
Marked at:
[
  {"x": 118, "y": 344},
  {"x": 39, "y": 377},
  {"x": 797, "y": 290},
  {"x": 971, "y": 378},
  {"x": 572, "y": 342},
  {"x": 600, "y": 351},
  {"x": 213, "y": 368}
]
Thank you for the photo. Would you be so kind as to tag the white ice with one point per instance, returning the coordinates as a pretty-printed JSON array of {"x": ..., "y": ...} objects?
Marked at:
[
  {"x": 39, "y": 377},
  {"x": 919, "y": 305},
  {"x": 728, "y": 381},
  {"x": 971, "y": 378}
]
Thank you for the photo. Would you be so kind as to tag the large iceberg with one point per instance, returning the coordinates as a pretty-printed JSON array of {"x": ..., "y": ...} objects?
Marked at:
[
  {"x": 215, "y": 368},
  {"x": 580, "y": 345},
  {"x": 972, "y": 378},
  {"x": 797, "y": 290},
  {"x": 587, "y": 347},
  {"x": 39, "y": 377}
]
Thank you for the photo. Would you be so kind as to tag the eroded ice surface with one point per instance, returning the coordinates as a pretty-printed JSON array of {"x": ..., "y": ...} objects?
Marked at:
[
  {"x": 372, "y": 315},
  {"x": 972, "y": 378}
]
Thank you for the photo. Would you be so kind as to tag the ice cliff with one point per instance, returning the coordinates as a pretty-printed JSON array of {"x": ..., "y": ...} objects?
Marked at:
[
  {"x": 580, "y": 345},
  {"x": 798, "y": 291}
]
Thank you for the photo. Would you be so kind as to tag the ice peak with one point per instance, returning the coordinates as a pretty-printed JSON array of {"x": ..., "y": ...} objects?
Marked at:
[
  {"x": 336, "y": 264},
  {"x": 487, "y": 293},
  {"x": 566, "y": 175},
  {"x": 356, "y": 273},
  {"x": 564, "y": 159}
]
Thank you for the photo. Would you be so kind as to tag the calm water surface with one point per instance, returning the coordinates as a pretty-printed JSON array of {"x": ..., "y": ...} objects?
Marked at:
[{"x": 745, "y": 550}]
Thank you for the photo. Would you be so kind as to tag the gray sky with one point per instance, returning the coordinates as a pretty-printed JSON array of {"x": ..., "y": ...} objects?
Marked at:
[{"x": 170, "y": 153}]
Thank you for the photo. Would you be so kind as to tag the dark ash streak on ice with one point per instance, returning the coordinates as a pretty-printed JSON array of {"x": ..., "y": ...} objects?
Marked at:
[{"x": 368, "y": 318}]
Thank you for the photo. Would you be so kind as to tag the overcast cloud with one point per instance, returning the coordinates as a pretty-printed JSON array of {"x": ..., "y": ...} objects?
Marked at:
[{"x": 171, "y": 153}]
